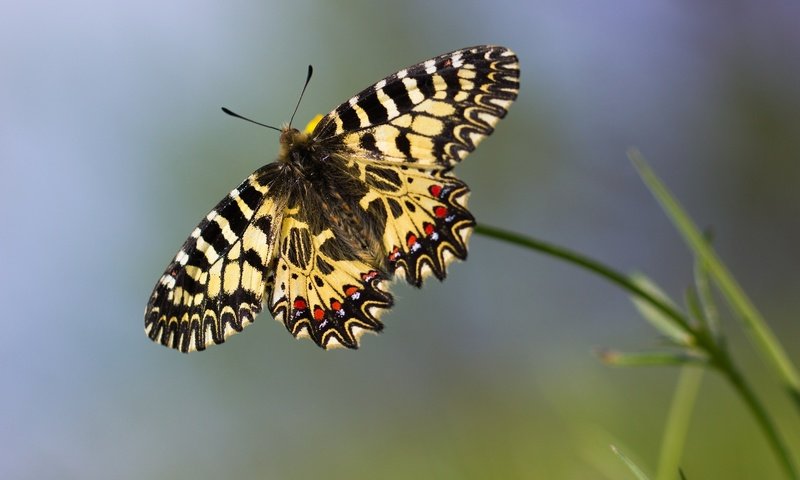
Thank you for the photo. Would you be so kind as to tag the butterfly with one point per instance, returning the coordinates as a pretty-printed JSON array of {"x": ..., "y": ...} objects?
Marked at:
[{"x": 364, "y": 196}]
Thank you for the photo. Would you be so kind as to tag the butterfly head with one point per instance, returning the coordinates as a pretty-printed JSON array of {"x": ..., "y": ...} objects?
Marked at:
[{"x": 294, "y": 145}]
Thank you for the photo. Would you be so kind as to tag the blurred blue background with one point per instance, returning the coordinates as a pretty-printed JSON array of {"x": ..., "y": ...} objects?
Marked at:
[{"x": 112, "y": 147}]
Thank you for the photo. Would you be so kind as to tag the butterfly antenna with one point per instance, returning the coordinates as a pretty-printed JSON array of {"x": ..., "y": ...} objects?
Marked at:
[
  {"x": 234, "y": 114},
  {"x": 308, "y": 79}
]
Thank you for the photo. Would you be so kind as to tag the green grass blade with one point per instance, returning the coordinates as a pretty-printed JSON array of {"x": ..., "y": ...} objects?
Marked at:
[
  {"x": 661, "y": 322},
  {"x": 709, "y": 313},
  {"x": 589, "y": 264},
  {"x": 680, "y": 414},
  {"x": 650, "y": 359},
  {"x": 637, "y": 472},
  {"x": 755, "y": 325}
]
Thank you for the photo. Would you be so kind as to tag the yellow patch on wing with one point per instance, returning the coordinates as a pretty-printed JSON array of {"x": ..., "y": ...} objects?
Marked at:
[{"x": 318, "y": 293}]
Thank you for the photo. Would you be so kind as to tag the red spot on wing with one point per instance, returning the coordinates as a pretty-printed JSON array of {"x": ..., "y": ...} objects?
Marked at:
[
  {"x": 300, "y": 304},
  {"x": 435, "y": 190},
  {"x": 350, "y": 291},
  {"x": 319, "y": 314},
  {"x": 395, "y": 254},
  {"x": 336, "y": 305},
  {"x": 429, "y": 228},
  {"x": 411, "y": 240},
  {"x": 369, "y": 275},
  {"x": 440, "y": 211}
]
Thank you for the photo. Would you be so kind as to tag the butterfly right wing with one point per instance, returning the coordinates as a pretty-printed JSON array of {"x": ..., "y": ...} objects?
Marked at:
[
  {"x": 215, "y": 285},
  {"x": 429, "y": 115},
  {"x": 403, "y": 135},
  {"x": 427, "y": 222}
]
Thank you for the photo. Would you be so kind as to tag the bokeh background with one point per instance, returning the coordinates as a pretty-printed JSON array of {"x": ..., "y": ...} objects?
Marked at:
[{"x": 112, "y": 147}]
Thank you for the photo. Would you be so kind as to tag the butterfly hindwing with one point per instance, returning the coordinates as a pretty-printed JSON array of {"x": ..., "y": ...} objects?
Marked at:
[
  {"x": 323, "y": 289},
  {"x": 214, "y": 286},
  {"x": 431, "y": 114},
  {"x": 427, "y": 224}
]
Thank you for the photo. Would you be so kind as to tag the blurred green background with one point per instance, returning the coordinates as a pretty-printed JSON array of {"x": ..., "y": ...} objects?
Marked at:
[{"x": 112, "y": 147}]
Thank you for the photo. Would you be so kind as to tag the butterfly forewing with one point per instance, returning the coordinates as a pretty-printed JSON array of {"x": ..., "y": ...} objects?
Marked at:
[
  {"x": 214, "y": 286},
  {"x": 431, "y": 114},
  {"x": 367, "y": 195}
]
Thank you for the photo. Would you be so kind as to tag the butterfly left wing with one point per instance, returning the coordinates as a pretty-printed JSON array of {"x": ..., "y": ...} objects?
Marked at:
[{"x": 214, "y": 286}]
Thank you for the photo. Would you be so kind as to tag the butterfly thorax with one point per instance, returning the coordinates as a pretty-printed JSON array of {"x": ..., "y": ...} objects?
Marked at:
[{"x": 325, "y": 191}]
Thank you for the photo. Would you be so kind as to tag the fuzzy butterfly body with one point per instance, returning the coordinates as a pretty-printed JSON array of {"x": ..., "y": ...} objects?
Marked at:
[{"x": 366, "y": 196}]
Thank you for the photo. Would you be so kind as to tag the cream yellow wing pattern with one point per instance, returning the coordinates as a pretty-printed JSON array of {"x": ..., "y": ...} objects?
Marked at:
[
  {"x": 214, "y": 286},
  {"x": 428, "y": 224},
  {"x": 429, "y": 115},
  {"x": 323, "y": 287}
]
